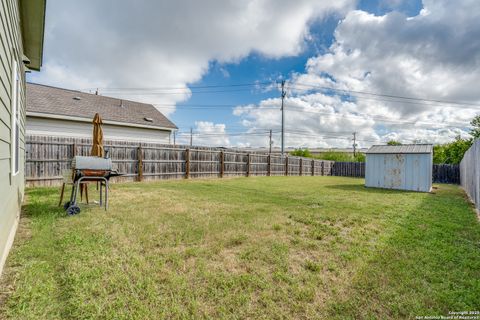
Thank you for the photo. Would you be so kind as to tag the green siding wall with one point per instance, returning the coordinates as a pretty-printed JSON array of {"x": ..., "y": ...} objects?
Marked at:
[{"x": 11, "y": 187}]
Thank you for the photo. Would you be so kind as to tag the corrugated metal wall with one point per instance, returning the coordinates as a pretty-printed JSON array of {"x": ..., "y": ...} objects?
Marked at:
[
  {"x": 470, "y": 173},
  {"x": 411, "y": 171}
]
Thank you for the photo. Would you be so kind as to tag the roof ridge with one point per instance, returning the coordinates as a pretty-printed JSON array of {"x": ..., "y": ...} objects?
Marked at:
[
  {"x": 50, "y": 86},
  {"x": 90, "y": 94},
  {"x": 404, "y": 144},
  {"x": 403, "y": 148}
]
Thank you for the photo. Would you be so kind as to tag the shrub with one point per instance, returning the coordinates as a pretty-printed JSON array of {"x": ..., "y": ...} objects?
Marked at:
[
  {"x": 341, "y": 156},
  {"x": 451, "y": 153},
  {"x": 301, "y": 153}
]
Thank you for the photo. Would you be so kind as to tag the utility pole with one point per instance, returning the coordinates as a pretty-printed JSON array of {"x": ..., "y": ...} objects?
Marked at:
[
  {"x": 354, "y": 144},
  {"x": 283, "y": 117},
  {"x": 191, "y": 137},
  {"x": 271, "y": 142}
]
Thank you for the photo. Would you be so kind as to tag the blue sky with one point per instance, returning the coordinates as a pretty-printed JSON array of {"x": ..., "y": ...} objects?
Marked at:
[
  {"x": 426, "y": 51},
  {"x": 255, "y": 67},
  {"x": 251, "y": 69}
]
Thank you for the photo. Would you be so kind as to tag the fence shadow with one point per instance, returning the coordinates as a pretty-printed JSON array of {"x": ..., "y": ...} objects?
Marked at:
[{"x": 362, "y": 188}]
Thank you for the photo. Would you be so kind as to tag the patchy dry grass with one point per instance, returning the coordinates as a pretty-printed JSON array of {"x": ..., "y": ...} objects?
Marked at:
[{"x": 267, "y": 248}]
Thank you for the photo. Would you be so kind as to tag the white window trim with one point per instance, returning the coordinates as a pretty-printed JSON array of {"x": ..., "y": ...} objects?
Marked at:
[{"x": 14, "y": 120}]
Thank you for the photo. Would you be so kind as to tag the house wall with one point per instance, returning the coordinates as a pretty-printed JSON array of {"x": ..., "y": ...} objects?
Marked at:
[
  {"x": 11, "y": 186},
  {"x": 399, "y": 171},
  {"x": 76, "y": 129}
]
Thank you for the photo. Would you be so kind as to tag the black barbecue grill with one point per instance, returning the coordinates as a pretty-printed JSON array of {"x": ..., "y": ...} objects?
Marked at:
[{"x": 90, "y": 169}]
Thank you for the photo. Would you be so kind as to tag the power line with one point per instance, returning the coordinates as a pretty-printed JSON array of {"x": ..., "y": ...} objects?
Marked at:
[
  {"x": 381, "y": 119},
  {"x": 181, "y": 92},
  {"x": 384, "y": 120},
  {"x": 300, "y": 133},
  {"x": 317, "y": 136},
  {"x": 184, "y": 87},
  {"x": 411, "y": 102},
  {"x": 270, "y": 143},
  {"x": 300, "y": 109},
  {"x": 264, "y": 132},
  {"x": 220, "y": 134},
  {"x": 354, "y": 144},
  {"x": 191, "y": 137},
  {"x": 389, "y": 95},
  {"x": 188, "y": 89},
  {"x": 325, "y": 135}
]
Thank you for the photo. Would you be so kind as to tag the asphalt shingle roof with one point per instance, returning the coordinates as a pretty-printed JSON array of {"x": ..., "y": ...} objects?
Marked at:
[
  {"x": 404, "y": 148},
  {"x": 57, "y": 101}
]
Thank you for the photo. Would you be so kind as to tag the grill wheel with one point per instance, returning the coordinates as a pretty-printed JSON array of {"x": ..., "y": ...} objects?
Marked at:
[{"x": 73, "y": 210}]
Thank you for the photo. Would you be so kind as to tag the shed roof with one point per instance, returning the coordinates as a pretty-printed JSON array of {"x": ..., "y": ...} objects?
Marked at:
[
  {"x": 42, "y": 99},
  {"x": 404, "y": 148}
]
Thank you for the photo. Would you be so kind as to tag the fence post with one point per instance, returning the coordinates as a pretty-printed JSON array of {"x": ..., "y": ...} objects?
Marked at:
[
  {"x": 248, "y": 164},
  {"x": 300, "y": 170},
  {"x": 286, "y": 165},
  {"x": 269, "y": 164},
  {"x": 313, "y": 167},
  {"x": 322, "y": 168},
  {"x": 74, "y": 149},
  {"x": 222, "y": 164},
  {"x": 187, "y": 163},
  {"x": 140, "y": 163}
]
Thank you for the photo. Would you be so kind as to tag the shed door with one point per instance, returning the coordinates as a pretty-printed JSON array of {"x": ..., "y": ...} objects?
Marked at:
[{"x": 394, "y": 170}]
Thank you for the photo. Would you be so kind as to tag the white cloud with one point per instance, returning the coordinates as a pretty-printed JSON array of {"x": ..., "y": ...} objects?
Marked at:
[
  {"x": 434, "y": 55},
  {"x": 206, "y": 133},
  {"x": 138, "y": 44}
]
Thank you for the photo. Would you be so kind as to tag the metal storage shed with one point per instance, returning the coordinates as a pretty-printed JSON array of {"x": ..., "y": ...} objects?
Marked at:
[{"x": 403, "y": 167}]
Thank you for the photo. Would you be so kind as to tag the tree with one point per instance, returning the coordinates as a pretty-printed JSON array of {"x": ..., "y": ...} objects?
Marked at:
[
  {"x": 475, "y": 123},
  {"x": 451, "y": 153},
  {"x": 359, "y": 157},
  {"x": 394, "y": 143},
  {"x": 341, "y": 156},
  {"x": 301, "y": 153}
]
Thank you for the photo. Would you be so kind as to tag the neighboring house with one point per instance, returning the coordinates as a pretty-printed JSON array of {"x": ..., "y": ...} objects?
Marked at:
[
  {"x": 68, "y": 113},
  {"x": 21, "y": 48}
]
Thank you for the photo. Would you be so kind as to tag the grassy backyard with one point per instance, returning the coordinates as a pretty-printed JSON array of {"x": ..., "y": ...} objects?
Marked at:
[{"x": 268, "y": 248}]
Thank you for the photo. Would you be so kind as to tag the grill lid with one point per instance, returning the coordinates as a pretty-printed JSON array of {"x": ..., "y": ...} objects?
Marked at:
[{"x": 92, "y": 163}]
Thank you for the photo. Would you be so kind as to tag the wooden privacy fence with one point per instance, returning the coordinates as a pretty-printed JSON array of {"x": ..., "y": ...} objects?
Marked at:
[
  {"x": 349, "y": 169},
  {"x": 441, "y": 173},
  {"x": 48, "y": 157},
  {"x": 446, "y": 173}
]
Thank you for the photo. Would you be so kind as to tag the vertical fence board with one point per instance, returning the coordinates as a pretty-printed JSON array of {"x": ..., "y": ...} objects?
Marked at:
[
  {"x": 470, "y": 173},
  {"x": 140, "y": 163}
]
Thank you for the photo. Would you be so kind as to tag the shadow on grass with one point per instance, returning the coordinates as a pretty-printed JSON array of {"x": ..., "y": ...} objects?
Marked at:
[
  {"x": 427, "y": 265},
  {"x": 43, "y": 202},
  {"x": 362, "y": 188}
]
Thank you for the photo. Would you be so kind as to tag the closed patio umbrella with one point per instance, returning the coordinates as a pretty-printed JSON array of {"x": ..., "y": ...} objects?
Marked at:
[{"x": 97, "y": 147}]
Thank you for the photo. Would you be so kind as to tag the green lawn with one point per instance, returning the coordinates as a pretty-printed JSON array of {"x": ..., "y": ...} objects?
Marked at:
[{"x": 267, "y": 248}]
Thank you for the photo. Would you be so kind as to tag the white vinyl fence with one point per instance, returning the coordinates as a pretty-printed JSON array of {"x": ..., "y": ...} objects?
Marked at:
[{"x": 470, "y": 172}]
